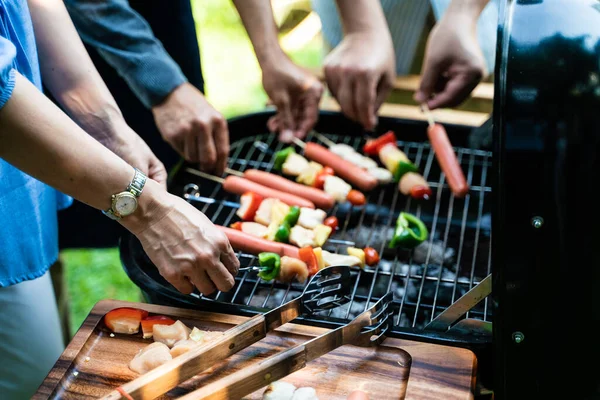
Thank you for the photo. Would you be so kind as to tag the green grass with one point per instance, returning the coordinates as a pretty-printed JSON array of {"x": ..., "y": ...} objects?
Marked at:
[{"x": 233, "y": 86}]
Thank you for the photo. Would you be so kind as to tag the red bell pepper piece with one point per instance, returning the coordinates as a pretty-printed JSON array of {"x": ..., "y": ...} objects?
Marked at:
[
  {"x": 149, "y": 322},
  {"x": 373, "y": 146},
  {"x": 307, "y": 255},
  {"x": 321, "y": 175},
  {"x": 125, "y": 320},
  {"x": 249, "y": 203},
  {"x": 236, "y": 225}
]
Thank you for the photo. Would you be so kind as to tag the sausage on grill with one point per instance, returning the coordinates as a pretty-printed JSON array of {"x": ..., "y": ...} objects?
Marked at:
[
  {"x": 447, "y": 160},
  {"x": 318, "y": 197},
  {"x": 254, "y": 245},
  {"x": 237, "y": 185},
  {"x": 344, "y": 169}
]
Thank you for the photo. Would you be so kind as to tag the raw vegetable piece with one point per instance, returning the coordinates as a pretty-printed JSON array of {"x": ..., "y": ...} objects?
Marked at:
[
  {"x": 371, "y": 256},
  {"x": 150, "y": 357},
  {"x": 410, "y": 232},
  {"x": 309, "y": 174},
  {"x": 283, "y": 233},
  {"x": 322, "y": 233},
  {"x": 183, "y": 346},
  {"x": 390, "y": 156},
  {"x": 382, "y": 174},
  {"x": 420, "y": 192},
  {"x": 337, "y": 188},
  {"x": 331, "y": 222},
  {"x": 149, "y": 322},
  {"x": 339, "y": 259},
  {"x": 292, "y": 268},
  {"x": 321, "y": 175},
  {"x": 270, "y": 264},
  {"x": 341, "y": 149},
  {"x": 319, "y": 255},
  {"x": 279, "y": 211},
  {"x": 295, "y": 164},
  {"x": 125, "y": 320},
  {"x": 302, "y": 237},
  {"x": 373, "y": 146},
  {"x": 309, "y": 218},
  {"x": 356, "y": 198},
  {"x": 358, "y": 253},
  {"x": 254, "y": 229},
  {"x": 279, "y": 390},
  {"x": 307, "y": 255},
  {"x": 263, "y": 214},
  {"x": 292, "y": 216},
  {"x": 197, "y": 335},
  {"x": 305, "y": 393},
  {"x": 170, "y": 334},
  {"x": 402, "y": 168},
  {"x": 281, "y": 156},
  {"x": 236, "y": 225},
  {"x": 249, "y": 203}
]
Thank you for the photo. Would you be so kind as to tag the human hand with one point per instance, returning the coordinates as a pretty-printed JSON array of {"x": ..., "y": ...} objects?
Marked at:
[
  {"x": 182, "y": 243},
  {"x": 194, "y": 128},
  {"x": 360, "y": 73},
  {"x": 133, "y": 149},
  {"x": 454, "y": 63},
  {"x": 296, "y": 93}
]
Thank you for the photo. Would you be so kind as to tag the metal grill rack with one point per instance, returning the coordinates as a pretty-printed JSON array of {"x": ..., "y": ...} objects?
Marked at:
[{"x": 425, "y": 281}]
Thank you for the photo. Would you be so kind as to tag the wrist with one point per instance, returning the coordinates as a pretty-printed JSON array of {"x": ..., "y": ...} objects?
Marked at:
[
  {"x": 270, "y": 56},
  {"x": 153, "y": 204},
  {"x": 464, "y": 11}
]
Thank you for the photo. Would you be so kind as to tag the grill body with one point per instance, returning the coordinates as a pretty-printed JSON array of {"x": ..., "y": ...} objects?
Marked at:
[{"x": 546, "y": 248}]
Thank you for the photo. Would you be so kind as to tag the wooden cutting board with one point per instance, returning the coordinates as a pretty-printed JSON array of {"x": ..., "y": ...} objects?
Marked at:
[{"x": 95, "y": 362}]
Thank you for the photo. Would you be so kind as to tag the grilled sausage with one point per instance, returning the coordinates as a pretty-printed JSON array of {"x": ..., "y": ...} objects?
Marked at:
[
  {"x": 344, "y": 169},
  {"x": 237, "y": 185},
  {"x": 318, "y": 197},
  {"x": 447, "y": 160},
  {"x": 414, "y": 185},
  {"x": 254, "y": 245}
]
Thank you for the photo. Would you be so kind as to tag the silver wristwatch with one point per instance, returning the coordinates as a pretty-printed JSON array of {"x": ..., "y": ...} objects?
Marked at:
[{"x": 125, "y": 203}]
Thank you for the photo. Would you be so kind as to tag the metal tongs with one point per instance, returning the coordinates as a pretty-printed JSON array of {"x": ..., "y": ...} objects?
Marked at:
[
  {"x": 367, "y": 329},
  {"x": 329, "y": 288}
]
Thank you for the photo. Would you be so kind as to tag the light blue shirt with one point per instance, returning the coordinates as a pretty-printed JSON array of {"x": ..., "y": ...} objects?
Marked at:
[
  {"x": 28, "y": 208},
  {"x": 406, "y": 20}
]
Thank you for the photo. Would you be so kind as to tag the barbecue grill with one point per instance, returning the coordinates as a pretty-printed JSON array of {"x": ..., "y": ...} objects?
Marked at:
[{"x": 536, "y": 183}]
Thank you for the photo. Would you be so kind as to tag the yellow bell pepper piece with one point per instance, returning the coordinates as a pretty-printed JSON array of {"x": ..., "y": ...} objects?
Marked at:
[
  {"x": 322, "y": 233},
  {"x": 319, "y": 255}
]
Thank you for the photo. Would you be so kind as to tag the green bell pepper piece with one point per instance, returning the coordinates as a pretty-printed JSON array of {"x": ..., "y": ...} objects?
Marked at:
[
  {"x": 283, "y": 233},
  {"x": 281, "y": 156},
  {"x": 410, "y": 232},
  {"x": 292, "y": 216},
  {"x": 270, "y": 264},
  {"x": 403, "y": 168}
]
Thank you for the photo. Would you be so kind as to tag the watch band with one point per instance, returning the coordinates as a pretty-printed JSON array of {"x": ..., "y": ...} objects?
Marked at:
[{"x": 136, "y": 188}]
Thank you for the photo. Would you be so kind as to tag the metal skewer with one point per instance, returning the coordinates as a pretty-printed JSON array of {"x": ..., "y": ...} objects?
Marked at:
[
  {"x": 428, "y": 114},
  {"x": 204, "y": 175}
]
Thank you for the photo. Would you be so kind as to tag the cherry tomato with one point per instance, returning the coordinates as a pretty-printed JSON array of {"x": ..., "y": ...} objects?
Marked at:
[
  {"x": 371, "y": 256},
  {"x": 321, "y": 175},
  {"x": 420, "y": 192},
  {"x": 356, "y": 198},
  {"x": 331, "y": 222}
]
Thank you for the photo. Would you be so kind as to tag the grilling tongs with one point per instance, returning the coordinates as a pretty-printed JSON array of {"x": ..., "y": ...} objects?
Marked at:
[
  {"x": 368, "y": 329},
  {"x": 328, "y": 289}
]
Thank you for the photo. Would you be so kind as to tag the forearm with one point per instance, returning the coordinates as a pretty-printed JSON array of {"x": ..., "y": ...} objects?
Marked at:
[
  {"x": 470, "y": 9},
  {"x": 363, "y": 16},
  {"x": 69, "y": 73},
  {"x": 39, "y": 139},
  {"x": 257, "y": 17}
]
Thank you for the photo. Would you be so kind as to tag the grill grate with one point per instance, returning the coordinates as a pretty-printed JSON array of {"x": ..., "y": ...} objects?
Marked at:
[{"x": 425, "y": 281}]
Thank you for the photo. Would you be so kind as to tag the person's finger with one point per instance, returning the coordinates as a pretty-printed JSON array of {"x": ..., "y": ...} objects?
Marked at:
[
  {"x": 190, "y": 148},
  {"x": 364, "y": 99},
  {"x": 309, "y": 113},
  {"x": 333, "y": 78},
  {"x": 432, "y": 72},
  {"x": 207, "y": 153},
  {"x": 230, "y": 260},
  {"x": 345, "y": 98},
  {"x": 456, "y": 91},
  {"x": 221, "y": 137},
  {"x": 273, "y": 123},
  {"x": 203, "y": 282},
  {"x": 178, "y": 280},
  {"x": 286, "y": 117},
  {"x": 221, "y": 277}
]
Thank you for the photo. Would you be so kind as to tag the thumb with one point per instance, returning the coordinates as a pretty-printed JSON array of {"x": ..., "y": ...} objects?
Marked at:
[
  {"x": 432, "y": 70},
  {"x": 286, "y": 118}
]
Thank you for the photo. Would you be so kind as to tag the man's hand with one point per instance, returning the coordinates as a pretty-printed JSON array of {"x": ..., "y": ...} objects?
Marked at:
[
  {"x": 296, "y": 93},
  {"x": 360, "y": 73},
  {"x": 194, "y": 128},
  {"x": 182, "y": 243},
  {"x": 454, "y": 63}
]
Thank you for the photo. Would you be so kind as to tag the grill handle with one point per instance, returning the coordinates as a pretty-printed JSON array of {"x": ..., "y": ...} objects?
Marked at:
[{"x": 198, "y": 359}]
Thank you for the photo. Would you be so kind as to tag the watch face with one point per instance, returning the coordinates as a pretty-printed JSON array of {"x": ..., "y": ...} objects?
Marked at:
[{"x": 125, "y": 203}]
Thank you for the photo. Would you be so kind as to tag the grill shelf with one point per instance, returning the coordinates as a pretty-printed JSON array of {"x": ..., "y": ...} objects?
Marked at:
[{"x": 455, "y": 258}]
